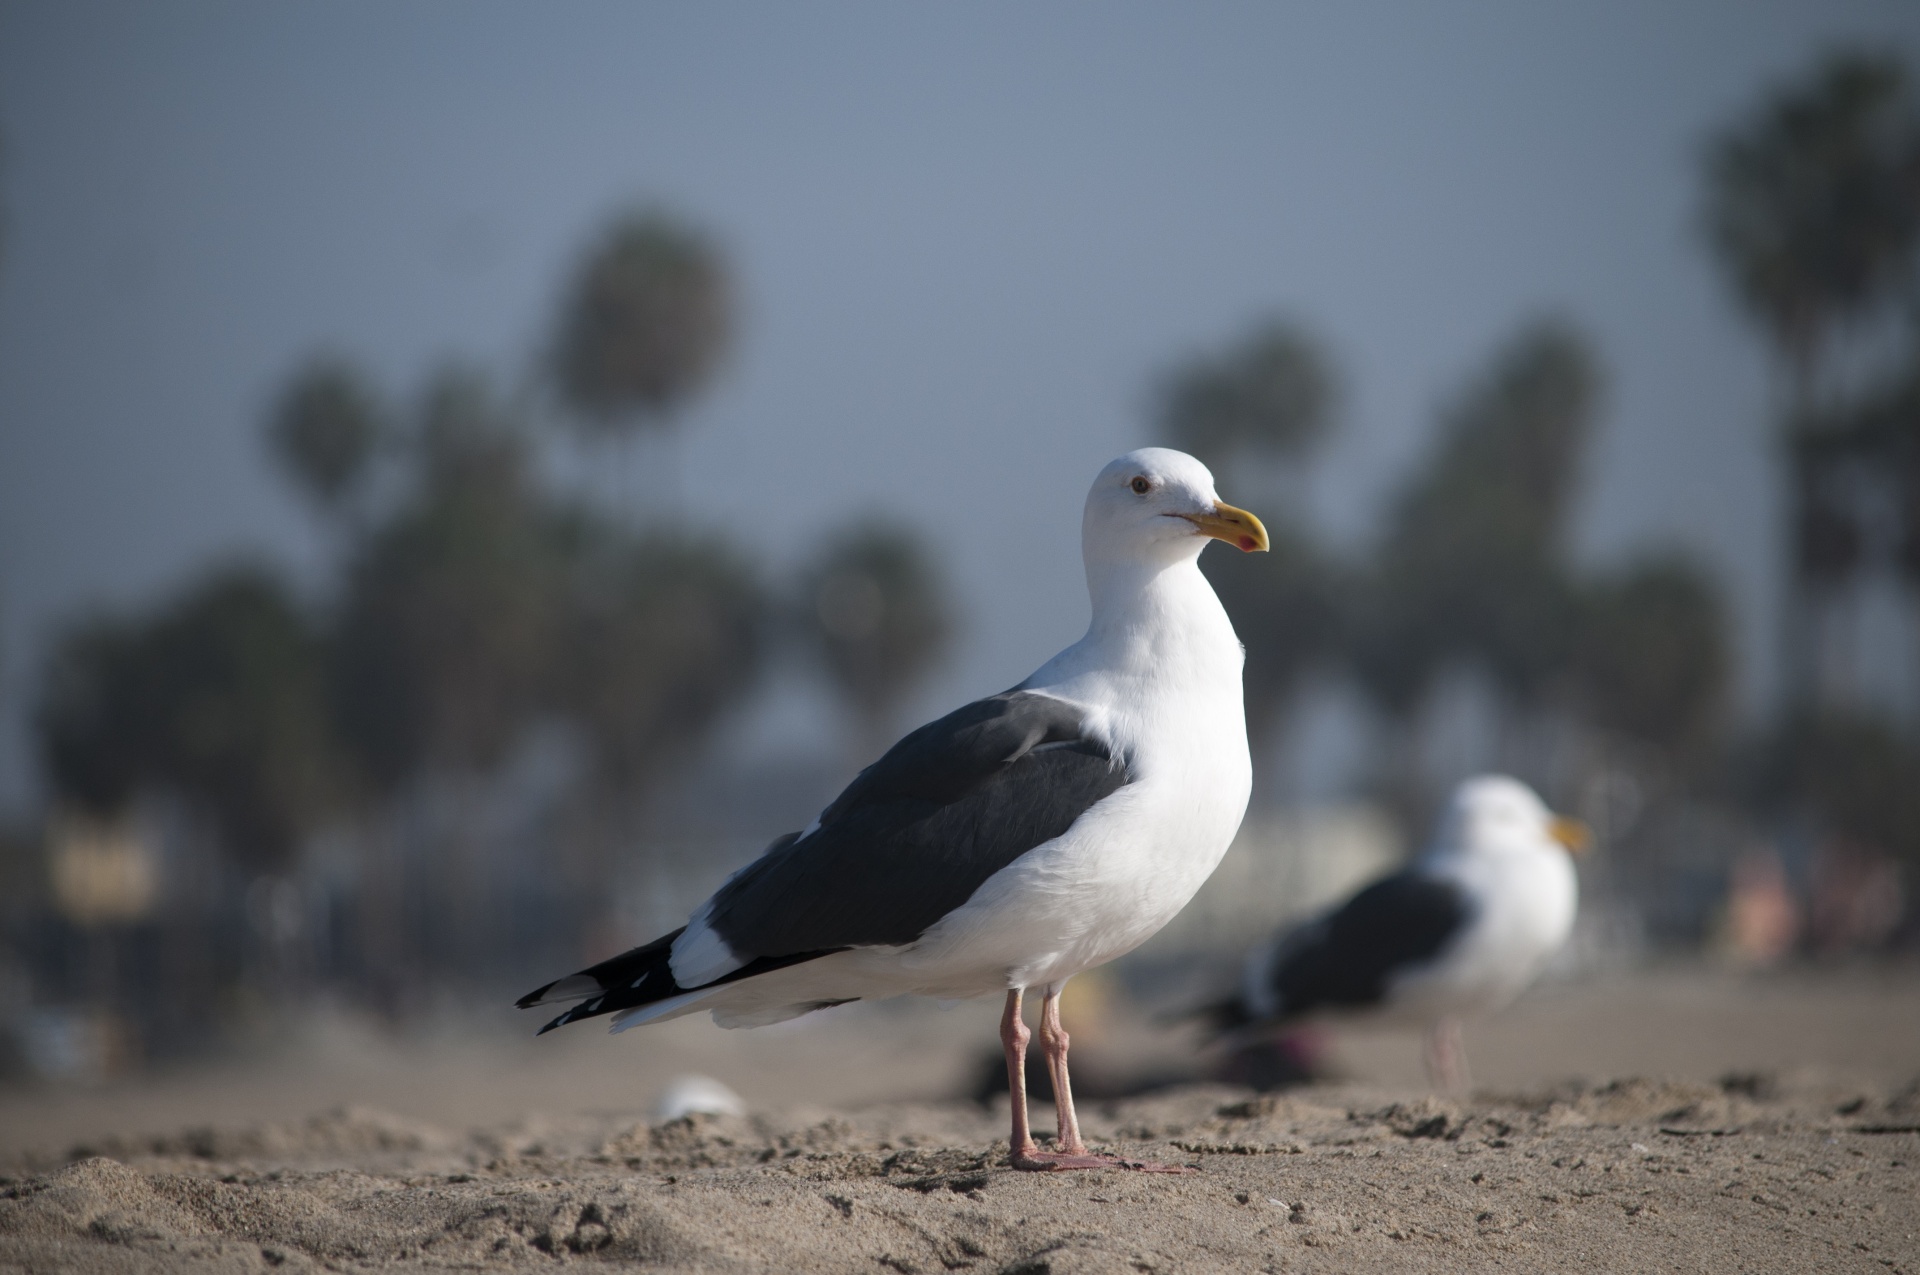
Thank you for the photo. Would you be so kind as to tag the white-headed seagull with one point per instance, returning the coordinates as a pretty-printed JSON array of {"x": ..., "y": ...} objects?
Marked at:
[
  {"x": 1014, "y": 842},
  {"x": 1458, "y": 933}
]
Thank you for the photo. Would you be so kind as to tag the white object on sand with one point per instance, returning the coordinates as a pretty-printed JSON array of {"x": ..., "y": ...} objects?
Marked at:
[{"x": 696, "y": 1095}]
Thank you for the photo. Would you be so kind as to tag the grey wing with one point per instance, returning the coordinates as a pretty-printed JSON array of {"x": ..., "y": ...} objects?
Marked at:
[
  {"x": 921, "y": 829},
  {"x": 909, "y": 841},
  {"x": 1350, "y": 956}
]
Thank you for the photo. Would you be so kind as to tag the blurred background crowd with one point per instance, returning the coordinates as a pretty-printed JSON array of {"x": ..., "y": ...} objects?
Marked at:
[{"x": 540, "y": 666}]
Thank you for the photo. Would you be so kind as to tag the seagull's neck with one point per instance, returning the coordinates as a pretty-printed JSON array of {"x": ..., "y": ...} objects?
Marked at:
[
  {"x": 1152, "y": 602},
  {"x": 1154, "y": 624}
]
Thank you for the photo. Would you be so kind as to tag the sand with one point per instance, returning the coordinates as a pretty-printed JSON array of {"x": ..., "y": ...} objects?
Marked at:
[
  {"x": 1794, "y": 1164},
  {"x": 1632, "y": 1176}
]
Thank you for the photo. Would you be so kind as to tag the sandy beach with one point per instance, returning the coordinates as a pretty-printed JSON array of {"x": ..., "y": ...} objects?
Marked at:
[{"x": 1773, "y": 1125}]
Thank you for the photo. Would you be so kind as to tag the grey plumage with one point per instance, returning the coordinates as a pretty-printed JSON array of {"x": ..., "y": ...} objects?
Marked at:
[
  {"x": 1349, "y": 957},
  {"x": 909, "y": 841}
]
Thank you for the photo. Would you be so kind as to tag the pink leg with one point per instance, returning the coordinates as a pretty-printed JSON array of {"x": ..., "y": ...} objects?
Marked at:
[
  {"x": 1023, "y": 1152},
  {"x": 1070, "y": 1152},
  {"x": 1053, "y": 1042},
  {"x": 1013, "y": 1039},
  {"x": 1447, "y": 1057}
]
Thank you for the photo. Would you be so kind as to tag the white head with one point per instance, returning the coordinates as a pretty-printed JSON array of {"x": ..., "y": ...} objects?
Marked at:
[
  {"x": 1496, "y": 814},
  {"x": 1155, "y": 507}
]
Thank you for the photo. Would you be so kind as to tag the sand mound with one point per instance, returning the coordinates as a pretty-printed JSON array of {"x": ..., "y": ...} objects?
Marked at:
[
  {"x": 347, "y": 1134},
  {"x": 1753, "y": 1174}
]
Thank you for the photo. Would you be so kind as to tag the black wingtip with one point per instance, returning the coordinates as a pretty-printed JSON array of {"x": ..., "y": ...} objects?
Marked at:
[
  {"x": 561, "y": 1021},
  {"x": 532, "y": 998}
]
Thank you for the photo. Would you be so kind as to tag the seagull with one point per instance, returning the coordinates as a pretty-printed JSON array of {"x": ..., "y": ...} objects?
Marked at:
[
  {"x": 1011, "y": 844},
  {"x": 1458, "y": 933}
]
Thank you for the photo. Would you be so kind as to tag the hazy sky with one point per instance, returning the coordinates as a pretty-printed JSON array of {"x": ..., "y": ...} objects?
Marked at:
[{"x": 967, "y": 237}]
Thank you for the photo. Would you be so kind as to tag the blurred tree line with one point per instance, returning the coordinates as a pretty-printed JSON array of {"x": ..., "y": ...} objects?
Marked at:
[
  {"x": 356, "y": 768},
  {"x": 1471, "y": 569},
  {"x": 1623, "y": 673},
  {"x": 1813, "y": 211},
  {"x": 476, "y": 608}
]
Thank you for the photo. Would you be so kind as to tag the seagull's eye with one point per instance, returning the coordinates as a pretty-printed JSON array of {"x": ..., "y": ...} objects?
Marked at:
[{"x": 1141, "y": 486}]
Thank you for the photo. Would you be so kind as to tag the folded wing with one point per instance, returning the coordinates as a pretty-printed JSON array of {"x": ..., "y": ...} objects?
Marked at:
[
  {"x": 1349, "y": 957},
  {"x": 908, "y": 842}
]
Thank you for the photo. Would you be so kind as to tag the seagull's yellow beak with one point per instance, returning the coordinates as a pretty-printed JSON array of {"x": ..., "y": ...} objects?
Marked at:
[
  {"x": 1235, "y": 526},
  {"x": 1571, "y": 833}
]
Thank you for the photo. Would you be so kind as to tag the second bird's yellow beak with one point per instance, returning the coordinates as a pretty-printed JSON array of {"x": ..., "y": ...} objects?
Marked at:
[
  {"x": 1235, "y": 526},
  {"x": 1571, "y": 833}
]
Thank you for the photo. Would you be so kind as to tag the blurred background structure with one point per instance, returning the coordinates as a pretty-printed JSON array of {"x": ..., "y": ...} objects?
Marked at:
[{"x": 470, "y": 476}]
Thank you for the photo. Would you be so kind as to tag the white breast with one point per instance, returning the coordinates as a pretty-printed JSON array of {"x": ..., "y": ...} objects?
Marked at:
[
  {"x": 1169, "y": 702},
  {"x": 1526, "y": 906}
]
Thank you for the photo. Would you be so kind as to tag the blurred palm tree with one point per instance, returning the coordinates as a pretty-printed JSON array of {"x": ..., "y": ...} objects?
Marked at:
[
  {"x": 1472, "y": 567},
  {"x": 1813, "y": 205},
  {"x": 1654, "y": 661},
  {"x": 645, "y": 323},
  {"x": 446, "y": 645},
  {"x": 95, "y": 729},
  {"x": 325, "y": 431},
  {"x": 247, "y": 735},
  {"x": 1268, "y": 397},
  {"x": 665, "y": 634},
  {"x": 874, "y": 607},
  {"x": 484, "y": 605},
  {"x": 482, "y": 609},
  {"x": 1813, "y": 208},
  {"x": 451, "y": 609},
  {"x": 1472, "y": 564},
  {"x": 1879, "y": 433},
  {"x": 219, "y": 700},
  {"x": 217, "y": 703},
  {"x": 1858, "y": 465}
]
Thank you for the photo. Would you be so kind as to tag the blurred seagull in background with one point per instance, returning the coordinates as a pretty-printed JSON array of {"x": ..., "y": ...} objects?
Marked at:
[
  {"x": 1458, "y": 933},
  {"x": 1012, "y": 843}
]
